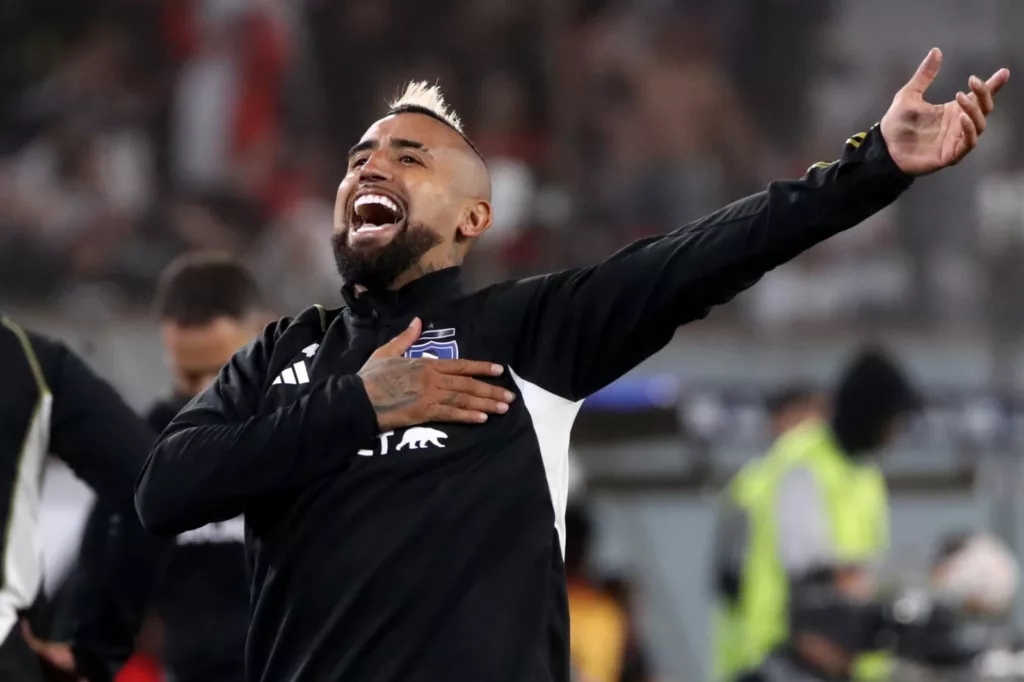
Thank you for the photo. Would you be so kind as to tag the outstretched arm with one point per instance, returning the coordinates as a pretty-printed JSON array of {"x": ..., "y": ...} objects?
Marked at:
[
  {"x": 579, "y": 330},
  {"x": 582, "y": 329}
]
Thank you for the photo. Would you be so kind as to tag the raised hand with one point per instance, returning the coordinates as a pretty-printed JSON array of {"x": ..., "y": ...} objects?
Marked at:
[
  {"x": 922, "y": 137},
  {"x": 406, "y": 391}
]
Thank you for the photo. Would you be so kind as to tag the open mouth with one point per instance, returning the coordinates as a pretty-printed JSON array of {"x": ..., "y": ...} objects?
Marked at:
[{"x": 375, "y": 213}]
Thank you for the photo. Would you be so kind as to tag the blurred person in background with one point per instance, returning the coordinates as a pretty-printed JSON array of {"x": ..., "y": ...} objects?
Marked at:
[
  {"x": 815, "y": 505},
  {"x": 976, "y": 572},
  {"x": 209, "y": 306},
  {"x": 604, "y": 646},
  {"x": 51, "y": 402}
]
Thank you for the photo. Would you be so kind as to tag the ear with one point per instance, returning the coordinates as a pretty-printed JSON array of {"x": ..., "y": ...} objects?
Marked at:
[{"x": 476, "y": 220}]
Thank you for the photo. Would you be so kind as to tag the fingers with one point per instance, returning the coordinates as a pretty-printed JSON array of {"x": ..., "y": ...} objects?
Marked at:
[
  {"x": 471, "y": 403},
  {"x": 998, "y": 80},
  {"x": 397, "y": 346},
  {"x": 26, "y": 633},
  {"x": 972, "y": 108},
  {"x": 455, "y": 415},
  {"x": 927, "y": 72},
  {"x": 467, "y": 367},
  {"x": 970, "y": 139},
  {"x": 474, "y": 387},
  {"x": 469, "y": 400},
  {"x": 982, "y": 94}
]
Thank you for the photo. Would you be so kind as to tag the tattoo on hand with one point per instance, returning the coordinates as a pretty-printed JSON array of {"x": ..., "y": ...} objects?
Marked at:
[{"x": 391, "y": 390}]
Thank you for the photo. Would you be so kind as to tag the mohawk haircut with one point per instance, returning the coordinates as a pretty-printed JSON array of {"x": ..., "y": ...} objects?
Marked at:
[
  {"x": 197, "y": 288},
  {"x": 420, "y": 97}
]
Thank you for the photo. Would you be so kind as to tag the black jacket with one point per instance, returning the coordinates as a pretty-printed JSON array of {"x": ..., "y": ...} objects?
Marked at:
[
  {"x": 435, "y": 553},
  {"x": 51, "y": 402},
  {"x": 203, "y": 597}
]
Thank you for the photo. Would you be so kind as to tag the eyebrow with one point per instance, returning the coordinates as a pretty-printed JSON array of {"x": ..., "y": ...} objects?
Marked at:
[{"x": 397, "y": 143}]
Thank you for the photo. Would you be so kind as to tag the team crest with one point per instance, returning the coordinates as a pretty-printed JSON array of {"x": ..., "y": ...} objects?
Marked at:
[{"x": 439, "y": 344}]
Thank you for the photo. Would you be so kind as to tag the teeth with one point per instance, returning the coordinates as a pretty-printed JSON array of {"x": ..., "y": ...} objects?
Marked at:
[{"x": 377, "y": 199}]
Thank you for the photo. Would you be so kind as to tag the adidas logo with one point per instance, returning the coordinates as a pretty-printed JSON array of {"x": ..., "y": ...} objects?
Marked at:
[{"x": 296, "y": 374}]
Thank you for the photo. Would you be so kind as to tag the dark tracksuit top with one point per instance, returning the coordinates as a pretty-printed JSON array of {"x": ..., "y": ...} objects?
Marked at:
[
  {"x": 435, "y": 552},
  {"x": 51, "y": 402},
  {"x": 203, "y": 593},
  {"x": 203, "y": 597}
]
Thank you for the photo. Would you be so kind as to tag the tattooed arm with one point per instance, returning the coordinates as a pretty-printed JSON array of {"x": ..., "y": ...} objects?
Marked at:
[{"x": 220, "y": 456}]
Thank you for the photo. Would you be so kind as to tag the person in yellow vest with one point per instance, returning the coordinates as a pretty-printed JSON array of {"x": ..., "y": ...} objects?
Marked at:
[{"x": 815, "y": 505}]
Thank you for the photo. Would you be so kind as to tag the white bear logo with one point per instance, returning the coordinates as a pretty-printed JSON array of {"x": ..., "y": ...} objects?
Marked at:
[{"x": 420, "y": 436}]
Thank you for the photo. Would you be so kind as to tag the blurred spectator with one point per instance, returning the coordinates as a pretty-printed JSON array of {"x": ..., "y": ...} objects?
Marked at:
[
  {"x": 602, "y": 121},
  {"x": 604, "y": 644},
  {"x": 977, "y": 572},
  {"x": 815, "y": 508}
]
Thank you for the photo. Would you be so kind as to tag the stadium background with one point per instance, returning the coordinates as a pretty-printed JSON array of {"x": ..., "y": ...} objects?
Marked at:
[{"x": 134, "y": 130}]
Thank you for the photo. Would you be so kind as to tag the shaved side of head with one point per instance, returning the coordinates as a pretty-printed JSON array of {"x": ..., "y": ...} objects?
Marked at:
[{"x": 419, "y": 97}]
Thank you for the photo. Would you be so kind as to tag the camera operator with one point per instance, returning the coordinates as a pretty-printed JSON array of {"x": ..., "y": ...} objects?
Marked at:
[
  {"x": 831, "y": 626},
  {"x": 818, "y": 498}
]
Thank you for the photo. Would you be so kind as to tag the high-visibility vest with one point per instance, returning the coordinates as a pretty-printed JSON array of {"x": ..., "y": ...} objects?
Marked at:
[{"x": 749, "y": 629}]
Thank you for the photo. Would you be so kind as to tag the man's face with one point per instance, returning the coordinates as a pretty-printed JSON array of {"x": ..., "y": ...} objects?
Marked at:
[
  {"x": 197, "y": 353},
  {"x": 406, "y": 203}
]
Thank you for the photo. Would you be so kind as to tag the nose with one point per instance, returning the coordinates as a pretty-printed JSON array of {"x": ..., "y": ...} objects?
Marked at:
[{"x": 376, "y": 169}]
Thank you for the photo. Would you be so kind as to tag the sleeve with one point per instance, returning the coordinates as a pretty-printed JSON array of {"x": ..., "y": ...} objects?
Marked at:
[
  {"x": 576, "y": 331},
  {"x": 94, "y": 431},
  {"x": 105, "y": 443},
  {"x": 119, "y": 569},
  {"x": 804, "y": 540},
  {"x": 222, "y": 452}
]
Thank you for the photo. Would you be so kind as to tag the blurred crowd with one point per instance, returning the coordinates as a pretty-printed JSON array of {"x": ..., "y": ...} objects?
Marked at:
[{"x": 132, "y": 131}]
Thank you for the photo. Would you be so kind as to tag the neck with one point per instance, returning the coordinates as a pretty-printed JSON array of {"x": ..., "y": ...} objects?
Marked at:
[{"x": 431, "y": 262}]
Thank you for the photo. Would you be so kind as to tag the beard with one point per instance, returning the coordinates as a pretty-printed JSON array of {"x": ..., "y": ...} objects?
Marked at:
[{"x": 377, "y": 267}]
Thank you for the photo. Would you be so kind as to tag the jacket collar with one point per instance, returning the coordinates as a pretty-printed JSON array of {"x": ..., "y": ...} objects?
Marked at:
[{"x": 438, "y": 285}]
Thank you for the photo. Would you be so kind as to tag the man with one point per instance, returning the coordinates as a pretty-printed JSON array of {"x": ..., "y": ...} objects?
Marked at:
[
  {"x": 813, "y": 509},
  {"x": 404, "y": 519},
  {"x": 209, "y": 306},
  {"x": 50, "y": 402},
  {"x": 787, "y": 408}
]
